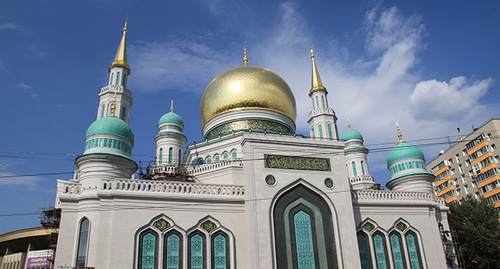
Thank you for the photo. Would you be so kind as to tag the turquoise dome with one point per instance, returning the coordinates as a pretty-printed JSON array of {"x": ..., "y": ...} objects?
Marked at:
[
  {"x": 171, "y": 117},
  {"x": 351, "y": 134},
  {"x": 111, "y": 125},
  {"x": 402, "y": 151}
]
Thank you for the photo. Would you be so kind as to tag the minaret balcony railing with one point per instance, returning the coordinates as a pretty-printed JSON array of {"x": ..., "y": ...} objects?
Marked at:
[
  {"x": 319, "y": 111},
  {"x": 380, "y": 195},
  {"x": 116, "y": 88},
  {"x": 232, "y": 162},
  {"x": 361, "y": 179}
]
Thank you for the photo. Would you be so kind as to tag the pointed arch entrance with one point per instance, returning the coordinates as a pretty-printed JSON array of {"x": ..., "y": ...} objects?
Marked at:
[{"x": 303, "y": 230}]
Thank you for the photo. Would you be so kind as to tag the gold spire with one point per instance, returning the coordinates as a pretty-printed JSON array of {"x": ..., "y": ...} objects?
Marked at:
[
  {"x": 399, "y": 134},
  {"x": 171, "y": 105},
  {"x": 348, "y": 124},
  {"x": 121, "y": 53},
  {"x": 316, "y": 83},
  {"x": 113, "y": 106},
  {"x": 245, "y": 59}
]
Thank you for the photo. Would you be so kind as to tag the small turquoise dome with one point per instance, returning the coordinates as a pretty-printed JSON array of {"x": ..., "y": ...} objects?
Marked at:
[
  {"x": 351, "y": 134},
  {"x": 402, "y": 151},
  {"x": 171, "y": 117},
  {"x": 111, "y": 125}
]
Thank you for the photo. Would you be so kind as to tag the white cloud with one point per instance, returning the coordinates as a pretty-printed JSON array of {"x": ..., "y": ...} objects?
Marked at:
[
  {"x": 11, "y": 26},
  {"x": 31, "y": 183},
  {"x": 452, "y": 101},
  {"x": 23, "y": 85}
]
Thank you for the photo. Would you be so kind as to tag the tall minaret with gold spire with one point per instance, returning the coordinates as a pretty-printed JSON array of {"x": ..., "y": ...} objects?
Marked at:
[
  {"x": 116, "y": 91},
  {"x": 322, "y": 120}
]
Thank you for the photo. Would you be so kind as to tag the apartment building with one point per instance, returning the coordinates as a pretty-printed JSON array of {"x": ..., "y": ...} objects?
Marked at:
[{"x": 471, "y": 166}]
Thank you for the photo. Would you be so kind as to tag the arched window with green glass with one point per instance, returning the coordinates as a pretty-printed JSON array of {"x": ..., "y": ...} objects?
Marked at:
[
  {"x": 320, "y": 131},
  {"x": 179, "y": 157},
  {"x": 148, "y": 250},
  {"x": 103, "y": 109},
  {"x": 83, "y": 242},
  {"x": 170, "y": 152},
  {"x": 364, "y": 251},
  {"x": 123, "y": 113},
  {"x": 160, "y": 156},
  {"x": 111, "y": 79},
  {"x": 413, "y": 249},
  {"x": 317, "y": 102},
  {"x": 208, "y": 160},
  {"x": 323, "y": 101},
  {"x": 354, "y": 170},
  {"x": 363, "y": 167},
  {"x": 172, "y": 250},
  {"x": 217, "y": 158},
  {"x": 380, "y": 248},
  {"x": 123, "y": 79},
  {"x": 234, "y": 153},
  {"x": 118, "y": 78},
  {"x": 220, "y": 251},
  {"x": 225, "y": 155},
  {"x": 397, "y": 251},
  {"x": 330, "y": 132},
  {"x": 196, "y": 251}
]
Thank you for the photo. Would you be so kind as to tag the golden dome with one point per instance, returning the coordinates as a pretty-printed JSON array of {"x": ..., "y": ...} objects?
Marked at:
[{"x": 247, "y": 87}]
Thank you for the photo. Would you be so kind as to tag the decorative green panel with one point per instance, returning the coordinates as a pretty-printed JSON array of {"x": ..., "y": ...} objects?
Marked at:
[
  {"x": 329, "y": 182},
  {"x": 378, "y": 243},
  {"x": 161, "y": 224},
  {"x": 396, "y": 252},
  {"x": 220, "y": 252},
  {"x": 173, "y": 252},
  {"x": 148, "y": 251},
  {"x": 412, "y": 251},
  {"x": 368, "y": 226},
  {"x": 304, "y": 240},
  {"x": 262, "y": 125},
  {"x": 197, "y": 252},
  {"x": 363, "y": 252},
  {"x": 208, "y": 226},
  {"x": 270, "y": 180},
  {"x": 401, "y": 226},
  {"x": 296, "y": 163}
]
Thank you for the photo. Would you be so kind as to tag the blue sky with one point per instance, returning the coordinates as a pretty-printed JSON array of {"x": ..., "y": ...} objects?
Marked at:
[{"x": 432, "y": 66}]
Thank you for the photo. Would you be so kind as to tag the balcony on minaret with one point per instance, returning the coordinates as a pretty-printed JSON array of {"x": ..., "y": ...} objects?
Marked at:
[
  {"x": 117, "y": 89},
  {"x": 323, "y": 111}
]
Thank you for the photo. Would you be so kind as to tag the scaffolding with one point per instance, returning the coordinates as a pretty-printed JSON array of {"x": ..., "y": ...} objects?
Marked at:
[{"x": 51, "y": 218}]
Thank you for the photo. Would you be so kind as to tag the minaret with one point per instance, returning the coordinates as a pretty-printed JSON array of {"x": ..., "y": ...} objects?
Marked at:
[
  {"x": 170, "y": 141},
  {"x": 119, "y": 70},
  {"x": 322, "y": 120},
  {"x": 356, "y": 160}
]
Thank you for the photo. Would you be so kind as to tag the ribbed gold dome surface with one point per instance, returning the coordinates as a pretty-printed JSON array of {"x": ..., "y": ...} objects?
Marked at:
[{"x": 247, "y": 87}]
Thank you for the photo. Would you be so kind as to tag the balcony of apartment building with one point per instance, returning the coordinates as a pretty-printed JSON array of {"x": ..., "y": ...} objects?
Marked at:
[{"x": 443, "y": 182}]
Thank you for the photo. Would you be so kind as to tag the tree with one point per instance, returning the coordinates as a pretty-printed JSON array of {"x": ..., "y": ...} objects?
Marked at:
[{"x": 478, "y": 230}]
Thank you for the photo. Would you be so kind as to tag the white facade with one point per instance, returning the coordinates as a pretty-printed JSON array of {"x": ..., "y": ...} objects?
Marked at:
[{"x": 249, "y": 199}]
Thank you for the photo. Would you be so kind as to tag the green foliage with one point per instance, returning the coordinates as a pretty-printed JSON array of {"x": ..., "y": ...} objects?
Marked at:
[{"x": 478, "y": 231}]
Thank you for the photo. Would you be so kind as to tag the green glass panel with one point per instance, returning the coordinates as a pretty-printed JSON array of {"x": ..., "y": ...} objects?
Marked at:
[
  {"x": 196, "y": 252},
  {"x": 148, "y": 251},
  {"x": 396, "y": 252},
  {"x": 412, "y": 251},
  {"x": 220, "y": 261},
  {"x": 378, "y": 243},
  {"x": 173, "y": 252},
  {"x": 363, "y": 252},
  {"x": 304, "y": 240}
]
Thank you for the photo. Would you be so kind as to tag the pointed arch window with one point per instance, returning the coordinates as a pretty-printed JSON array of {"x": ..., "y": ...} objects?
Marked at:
[
  {"x": 317, "y": 102},
  {"x": 217, "y": 158},
  {"x": 209, "y": 160},
  {"x": 160, "y": 157},
  {"x": 123, "y": 113},
  {"x": 397, "y": 251},
  {"x": 330, "y": 132},
  {"x": 83, "y": 240},
  {"x": 413, "y": 250},
  {"x": 170, "y": 152},
  {"x": 148, "y": 248},
  {"x": 234, "y": 154},
  {"x": 354, "y": 170},
  {"x": 220, "y": 251},
  {"x": 103, "y": 108},
  {"x": 363, "y": 167},
  {"x": 111, "y": 79},
  {"x": 323, "y": 101},
  {"x": 118, "y": 78},
  {"x": 320, "y": 130},
  {"x": 123, "y": 79},
  {"x": 172, "y": 250},
  {"x": 380, "y": 250},
  {"x": 364, "y": 251},
  {"x": 225, "y": 155},
  {"x": 196, "y": 251},
  {"x": 179, "y": 157}
]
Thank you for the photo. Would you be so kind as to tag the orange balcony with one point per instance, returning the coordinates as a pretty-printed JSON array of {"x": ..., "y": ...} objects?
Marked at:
[
  {"x": 450, "y": 188},
  {"x": 484, "y": 156},
  {"x": 488, "y": 181},
  {"x": 442, "y": 170},
  {"x": 442, "y": 181},
  {"x": 478, "y": 147},
  {"x": 491, "y": 193},
  {"x": 451, "y": 199}
]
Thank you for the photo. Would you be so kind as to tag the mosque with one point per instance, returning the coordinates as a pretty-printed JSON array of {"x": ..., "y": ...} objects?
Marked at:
[{"x": 252, "y": 194}]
